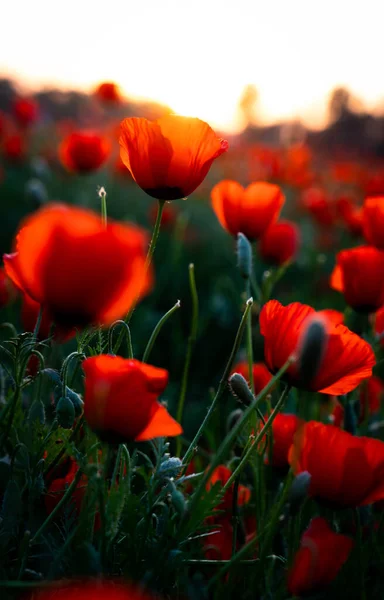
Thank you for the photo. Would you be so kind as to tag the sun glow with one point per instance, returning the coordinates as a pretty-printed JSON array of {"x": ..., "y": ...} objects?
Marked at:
[{"x": 198, "y": 56}]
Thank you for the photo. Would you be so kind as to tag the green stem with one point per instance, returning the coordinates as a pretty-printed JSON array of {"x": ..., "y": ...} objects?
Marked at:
[
  {"x": 235, "y": 514},
  {"x": 272, "y": 523},
  {"x": 58, "y": 506},
  {"x": 190, "y": 344},
  {"x": 113, "y": 350},
  {"x": 103, "y": 197},
  {"x": 157, "y": 329},
  {"x": 127, "y": 466},
  {"x": 222, "y": 385},
  {"x": 64, "y": 369},
  {"x": 38, "y": 323},
  {"x": 148, "y": 260},
  {"x": 231, "y": 436},
  {"x": 60, "y": 454},
  {"x": 259, "y": 436},
  {"x": 249, "y": 341}
]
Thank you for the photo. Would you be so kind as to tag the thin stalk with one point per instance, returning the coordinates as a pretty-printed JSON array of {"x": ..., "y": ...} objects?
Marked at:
[
  {"x": 222, "y": 384},
  {"x": 190, "y": 344},
  {"x": 60, "y": 454},
  {"x": 58, "y": 506},
  {"x": 249, "y": 341},
  {"x": 157, "y": 329},
  {"x": 111, "y": 331},
  {"x": 103, "y": 199},
  {"x": 148, "y": 260},
  {"x": 231, "y": 436},
  {"x": 235, "y": 514},
  {"x": 38, "y": 323},
  {"x": 259, "y": 436},
  {"x": 127, "y": 460}
]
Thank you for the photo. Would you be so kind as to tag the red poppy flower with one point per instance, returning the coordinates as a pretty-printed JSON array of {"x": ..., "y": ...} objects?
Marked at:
[
  {"x": 261, "y": 375},
  {"x": 319, "y": 205},
  {"x": 84, "y": 151},
  {"x": 25, "y": 111},
  {"x": 218, "y": 544},
  {"x": 58, "y": 486},
  {"x": 283, "y": 430},
  {"x": 357, "y": 275},
  {"x": 297, "y": 166},
  {"x": 14, "y": 148},
  {"x": 373, "y": 221},
  {"x": 170, "y": 157},
  {"x": 121, "y": 400},
  {"x": 379, "y": 325},
  {"x": 335, "y": 316},
  {"x": 29, "y": 314},
  {"x": 80, "y": 271},
  {"x": 222, "y": 474},
  {"x": 373, "y": 183},
  {"x": 350, "y": 214},
  {"x": 345, "y": 470},
  {"x": 319, "y": 559},
  {"x": 108, "y": 92},
  {"x": 347, "y": 360},
  {"x": 371, "y": 396},
  {"x": 249, "y": 211},
  {"x": 8, "y": 292},
  {"x": 101, "y": 590},
  {"x": 280, "y": 242}
]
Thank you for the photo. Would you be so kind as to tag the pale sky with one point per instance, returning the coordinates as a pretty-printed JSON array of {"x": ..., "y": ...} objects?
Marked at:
[{"x": 197, "y": 55}]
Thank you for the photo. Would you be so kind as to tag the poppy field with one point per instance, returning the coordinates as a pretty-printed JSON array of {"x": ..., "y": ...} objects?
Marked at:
[{"x": 191, "y": 361}]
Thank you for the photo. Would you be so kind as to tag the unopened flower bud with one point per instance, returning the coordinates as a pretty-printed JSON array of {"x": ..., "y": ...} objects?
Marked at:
[
  {"x": 244, "y": 256},
  {"x": 178, "y": 501},
  {"x": 311, "y": 348},
  {"x": 36, "y": 192},
  {"x": 170, "y": 467},
  {"x": 65, "y": 412},
  {"x": 240, "y": 389},
  {"x": 233, "y": 417},
  {"x": 76, "y": 400},
  {"x": 298, "y": 491}
]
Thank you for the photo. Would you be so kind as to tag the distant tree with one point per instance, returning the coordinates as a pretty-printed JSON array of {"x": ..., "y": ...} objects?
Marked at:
[
  {"x": 342, "y": 104},
  {"x": 248, "y": 104}
]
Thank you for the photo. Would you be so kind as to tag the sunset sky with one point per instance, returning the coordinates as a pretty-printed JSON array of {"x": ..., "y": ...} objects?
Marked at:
[{"x": 197, "y": 56}]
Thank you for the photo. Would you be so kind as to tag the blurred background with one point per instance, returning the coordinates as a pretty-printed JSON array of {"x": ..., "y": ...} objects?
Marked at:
[{"x": 296, "y": 88}]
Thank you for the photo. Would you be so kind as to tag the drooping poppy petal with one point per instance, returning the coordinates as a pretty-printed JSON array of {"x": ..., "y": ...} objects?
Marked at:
[
  {"x": 169, "y": 158},
  {"x": 84, "y": 151},
  {"x": 319, "y": 559},
  {"x": 345, "y": 470},
  {"x": 280, "y": 242},
  {"x": 249, "y": 211},
  {"x": 121, "y": 400},
  {"x": 81, "y": 272},
  {"x": 357, "y": 275},
  {"x": 348, "y": 359}
]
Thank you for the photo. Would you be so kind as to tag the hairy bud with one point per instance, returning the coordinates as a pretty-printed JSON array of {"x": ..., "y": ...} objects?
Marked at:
[
  {"x": 311, "y": 348},
  {"x": 244, "y": 256},
  {"x": 240, "y": 389}
]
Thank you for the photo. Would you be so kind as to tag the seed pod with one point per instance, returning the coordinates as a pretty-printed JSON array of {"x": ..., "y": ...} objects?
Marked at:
[
  {"x": 65, "y": 412},
  {"x": 311, "y": 348},
  {"x": 244, "y": 256}
]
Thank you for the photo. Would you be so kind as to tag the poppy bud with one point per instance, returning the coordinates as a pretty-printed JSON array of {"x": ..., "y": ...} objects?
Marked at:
[
  {"x": 311, "y": 349},
  {"x": 65, "y": 412},
  {"x": 239, "y": 388},
  {"x": 170, "y": 467},
  {"x": 74, "y": 398},
  {"x": 350, "y": 418},
  {"x": 244, "y": 256},
  {"x": 298, "y": 491},
  {"x": 178, "y": 501},
  {"x": 233, "y": 417},
  {"x": 36, "y": 192},
  {"x": 37, "y": 412}
]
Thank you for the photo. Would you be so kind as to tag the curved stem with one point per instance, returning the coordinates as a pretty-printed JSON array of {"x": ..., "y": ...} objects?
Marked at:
[
  {"x": 222, "y": 384},
  {"x": 111, "y": 331},
  {"x": 157, "y": 329},
  {"x": 191, "y": 341}
]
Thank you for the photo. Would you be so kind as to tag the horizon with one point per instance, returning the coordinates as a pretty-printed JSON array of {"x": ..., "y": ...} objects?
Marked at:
[{"x": 201, "y": 67}]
